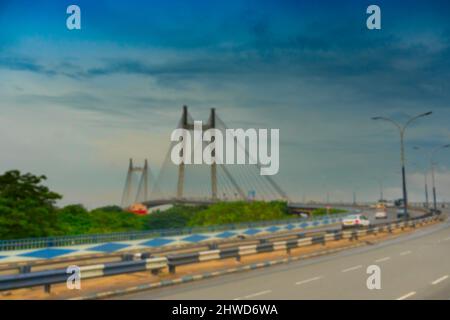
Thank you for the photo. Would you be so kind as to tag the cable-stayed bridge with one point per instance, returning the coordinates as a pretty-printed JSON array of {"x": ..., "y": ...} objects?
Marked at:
[{"x": 200, "y": 183}]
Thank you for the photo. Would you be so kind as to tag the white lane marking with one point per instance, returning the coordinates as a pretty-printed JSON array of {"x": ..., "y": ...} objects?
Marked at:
[
  {"x": 258, "y": 294},
  {"x": 439, "y": 280},
  {"x": 406, "y": 296},
  {"x": 352, "y": 268},
  {"x": 309, "y": 280},
  {"x": 446, "y": 239},
  {"x": 404, "y": 253},
  {"x": 383, "y": 259},
  {"x": 254, "y": 295}
]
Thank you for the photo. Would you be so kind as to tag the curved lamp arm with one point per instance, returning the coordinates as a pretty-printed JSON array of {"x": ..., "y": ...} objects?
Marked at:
[
  {"x": 389, "y": 120},
  {"x": 415, "y": 118},
  {"x": 433, "y": 152}
]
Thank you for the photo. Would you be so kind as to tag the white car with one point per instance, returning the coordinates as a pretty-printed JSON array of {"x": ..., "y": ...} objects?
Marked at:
[
  {"x": 355, "y": 221},
  {"x": 381, "y": 214}
]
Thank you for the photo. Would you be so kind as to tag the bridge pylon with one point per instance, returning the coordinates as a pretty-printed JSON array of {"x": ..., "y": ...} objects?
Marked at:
[
  {"x": 185, "y": 124},
  {"x": 142, "y": 190}
]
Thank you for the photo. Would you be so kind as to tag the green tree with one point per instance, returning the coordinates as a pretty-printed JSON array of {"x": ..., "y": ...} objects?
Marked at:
[
  {"x": 74, "y": 219},
  {"x": 176, "y": 217},
  {"x": 240, "y": 211},
  {"x": 19, "y": 188},
  {"x": 113, "y": 208},
  {"x": 26, "y": 206}
]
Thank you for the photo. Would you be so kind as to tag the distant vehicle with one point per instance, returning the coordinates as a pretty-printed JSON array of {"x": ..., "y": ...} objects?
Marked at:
[
  {"x": 355, "y": 221},
  {"x": 386, "y": 203},
  {"x": 381, "y": 210},
  {"x": 399, "y": 203},
  {"x": 380, "y": 205},
  {"x": 401, "y": 214},
  {"x": 381, "y": 214},
  {"x": 303, "y": 215},
  {"x": 390, "y": 204}
]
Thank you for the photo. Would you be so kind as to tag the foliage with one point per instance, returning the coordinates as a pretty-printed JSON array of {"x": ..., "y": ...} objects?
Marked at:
[
  {"x": 26, "y": 206},
  {"x": 110, "y": 209},
  {"x": 20, "y": 188},
  {"x": 27, "y": 210},
  {"x": 240, "y": 211},
  {"x": 115, "y": 221},
  {"x": 175, "y": 217},
  {"x": 75, "y": 219}
]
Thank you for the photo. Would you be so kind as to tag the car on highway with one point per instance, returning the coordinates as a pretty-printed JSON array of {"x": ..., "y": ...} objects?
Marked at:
[
  {"x": 401, "y": 214},
  {"x": 381, "y": 214},
  {"x": 355, "y": 221}
]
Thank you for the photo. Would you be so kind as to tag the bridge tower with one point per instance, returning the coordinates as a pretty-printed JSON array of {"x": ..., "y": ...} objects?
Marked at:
[
  {"x": 181, "y": 167},
  {"x": 141, "y": 194}
]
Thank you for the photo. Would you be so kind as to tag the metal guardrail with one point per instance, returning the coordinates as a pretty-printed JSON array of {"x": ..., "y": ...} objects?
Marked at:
[
  {"x": 48, "y": 242},
  {"x": 156, "y": 264},
  {"x": 47, "y": 278}
]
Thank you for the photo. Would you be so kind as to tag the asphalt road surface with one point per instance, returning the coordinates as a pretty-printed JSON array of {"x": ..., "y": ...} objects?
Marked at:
[{"x": 413, "y": 266}]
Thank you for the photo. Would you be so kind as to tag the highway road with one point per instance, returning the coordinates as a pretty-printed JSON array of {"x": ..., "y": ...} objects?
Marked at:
[{"x": 413, "y": 266}]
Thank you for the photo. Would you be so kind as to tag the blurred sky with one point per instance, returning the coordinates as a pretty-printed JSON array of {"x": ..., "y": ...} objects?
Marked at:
[{"x": 75, "y": 105}]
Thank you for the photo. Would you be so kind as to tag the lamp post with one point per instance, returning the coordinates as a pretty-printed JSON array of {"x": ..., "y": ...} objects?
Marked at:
[
  {"x": 425, "y": 179},
  {"x": 433, "y": 152},
  {"x": 402, "y": 129},
  {"x": 380, "y": 183},
  {"x": 427, "y": 202}
]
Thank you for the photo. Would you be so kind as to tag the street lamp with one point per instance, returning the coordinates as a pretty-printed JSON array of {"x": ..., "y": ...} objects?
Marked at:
[
  {"x": 425, "y": 178},
  {"x": 381, "y": 187},
  {"x": 432, "y": 172},
  {"x": 402, "y": 130}
]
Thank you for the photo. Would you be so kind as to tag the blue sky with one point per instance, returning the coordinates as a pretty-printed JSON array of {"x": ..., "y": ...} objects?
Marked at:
[{"x": 75, "y": 105}]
